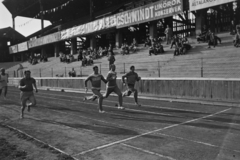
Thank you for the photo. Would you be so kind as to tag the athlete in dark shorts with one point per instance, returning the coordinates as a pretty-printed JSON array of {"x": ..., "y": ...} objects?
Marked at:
[
  {"x": 26, "y": 87},
  {"x": 112, "y": 86},
  {"x": 131, "y": 77},
  {"x": 95, "y": 79}
]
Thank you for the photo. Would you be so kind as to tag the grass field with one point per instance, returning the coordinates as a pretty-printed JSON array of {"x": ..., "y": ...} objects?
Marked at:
[{"x": 63, "y": 127}]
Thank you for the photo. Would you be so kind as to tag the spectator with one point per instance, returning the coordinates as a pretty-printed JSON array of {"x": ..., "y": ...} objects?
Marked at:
[
  {"x": 211, "y": 40},
  {"x": 232, "y": 28},
  {"x": 152, "y": 50},
  {"x": 147, "y": 42},
  {"x": 84, "y": 61},
  {"x": 159, "y": 48},
  {"x": 174, "y": 41},
  {"x": 80, "y": 55},
  {"x": 72, "y": 73},
  {"x": 237, "y": 39},
  {"x": 111, "y": 59},
  {"x": 168, "y": 32}
]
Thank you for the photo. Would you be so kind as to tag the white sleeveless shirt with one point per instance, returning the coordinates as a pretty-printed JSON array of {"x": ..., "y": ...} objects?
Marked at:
[{"x": 4, "y": 82}]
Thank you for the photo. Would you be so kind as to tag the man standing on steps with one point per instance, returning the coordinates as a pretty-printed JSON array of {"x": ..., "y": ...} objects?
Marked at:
[
  {"x": 112, "y": 86},
  {"x": 3, "y": 82},
  {"x": 131, "y": 77},
  {"x": 111, "y": 59},
  {"x": 26, "y": 85},
  {"x": 95, "y": 79}
]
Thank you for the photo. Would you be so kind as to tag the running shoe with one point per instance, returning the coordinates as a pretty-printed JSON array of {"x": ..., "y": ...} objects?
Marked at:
[
  {"x": 120, "y": 107},
  {"x": 138, "y": 105},
  {"x": 101, "y": 111}
]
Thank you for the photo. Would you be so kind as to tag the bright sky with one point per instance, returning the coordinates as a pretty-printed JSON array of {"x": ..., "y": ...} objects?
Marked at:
[{"x": 25, "y": 26}]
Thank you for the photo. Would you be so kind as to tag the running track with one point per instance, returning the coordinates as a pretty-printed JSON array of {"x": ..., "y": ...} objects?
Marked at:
[{"x": 158, "y": 130}]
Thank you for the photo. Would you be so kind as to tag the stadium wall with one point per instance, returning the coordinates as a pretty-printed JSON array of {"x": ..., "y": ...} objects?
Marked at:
[{"x": 216, "y": 89}]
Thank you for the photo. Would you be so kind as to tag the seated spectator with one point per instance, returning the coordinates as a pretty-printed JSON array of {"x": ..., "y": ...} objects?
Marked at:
[
  {"x": 174, "y": 41},
  {"x": 45, "y": 58},
  {"x": 84, "y": 61},
  {"x": 80, "y": 56},
  {"x": 124, "y": 49},
  {"x": 152, "y": 50},
  {"x": 211, "y": 40},
  {"x": 105, "y": 51},
  {"x": 184, "y": 46},
  {"x": 90, "y": 60},
  {"x": 72, "y": 73},
  {"x": 67, "y": 58},
  {"x": 159, "y": 48},
  {"x": 133, "y": 46},
  {"x": 147, "y": 42},
  {"x": 34, "y": 61},
  {"x": 237, "y": 39}
]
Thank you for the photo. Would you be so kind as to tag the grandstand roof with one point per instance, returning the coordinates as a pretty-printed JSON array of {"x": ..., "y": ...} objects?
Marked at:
[{"x": 10, "y": 34}]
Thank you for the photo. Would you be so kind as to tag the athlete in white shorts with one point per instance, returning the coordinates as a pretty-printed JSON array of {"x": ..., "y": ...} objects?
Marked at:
[
  {"x": 95, "y": 79},
  {"x": 112, "y": 86},
  {"x": 3, "y": 82},
  {"x": 26, "y": 85},
  {"x": 131, "y": 77}
]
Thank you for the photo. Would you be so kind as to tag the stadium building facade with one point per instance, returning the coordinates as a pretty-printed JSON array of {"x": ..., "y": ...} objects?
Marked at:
[{"x": 87, "y": 24}]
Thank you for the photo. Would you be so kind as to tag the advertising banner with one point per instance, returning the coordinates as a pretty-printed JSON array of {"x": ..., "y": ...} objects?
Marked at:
[
  {"x": 22, "y": 47},
  {"x": 200, "y": 4},
  {"x": 13, "y": 49},
  {"x": 153, "y": 11},
  {"x": 90, "y": 27},
  {"x": 51, "y": 38}
]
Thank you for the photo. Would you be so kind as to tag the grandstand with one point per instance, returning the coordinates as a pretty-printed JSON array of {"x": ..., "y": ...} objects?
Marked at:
[{"x": 221, "y": 61}]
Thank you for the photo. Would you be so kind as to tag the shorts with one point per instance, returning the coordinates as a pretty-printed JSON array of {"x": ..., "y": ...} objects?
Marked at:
[
  {"x": 24, "y": 96},
  {"x": 112, "y": 89},
  {"x": 130, "y": 89}
]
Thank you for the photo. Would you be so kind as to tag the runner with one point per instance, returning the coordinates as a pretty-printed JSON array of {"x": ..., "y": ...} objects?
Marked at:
[
  {"x": 131, "y": 77},
  {"x": 3, "y": 82},
  {"x": 112, "y": 86},
  {"x": 26, "y": 87},
  {"x": 95, "y": 79}
]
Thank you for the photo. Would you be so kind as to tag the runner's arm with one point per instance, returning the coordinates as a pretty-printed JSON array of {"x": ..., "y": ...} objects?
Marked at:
[
  {"x": 123, "y": 78},
  {"x": 103, "y": 79},
  {"x": 85, "y": 82}
]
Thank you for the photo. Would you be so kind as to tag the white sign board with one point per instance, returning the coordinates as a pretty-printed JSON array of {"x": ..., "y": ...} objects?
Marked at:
[{"x": 200, "y": 4}]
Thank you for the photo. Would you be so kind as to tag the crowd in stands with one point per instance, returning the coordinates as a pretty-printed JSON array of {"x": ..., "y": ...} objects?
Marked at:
[
  {"x": 209, "y": 37},
  {"x": 126, "y": 49},
  {"x": 35, "y": 58},
  {"x": 87, "y": 56}
]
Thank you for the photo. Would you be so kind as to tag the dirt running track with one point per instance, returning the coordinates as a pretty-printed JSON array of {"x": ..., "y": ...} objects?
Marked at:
[{"x": 62, "y": 126}]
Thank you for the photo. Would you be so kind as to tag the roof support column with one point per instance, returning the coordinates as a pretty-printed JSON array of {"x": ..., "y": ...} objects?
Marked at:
[
  {"x": 93, "y": 42},
  {"x": 56, "y": 49},
  {"x": 13, "y": 21},
  {"x": 118, "y": 38},
  {"x": 153, "y": 29},
  {"x": 200, "y": 21},
  {"x": 41, "y": 13},
  {"x": 73, "y": 46}
]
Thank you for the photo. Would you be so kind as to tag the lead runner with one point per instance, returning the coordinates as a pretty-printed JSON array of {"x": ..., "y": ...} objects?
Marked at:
[{"x": 95, "y": 79}]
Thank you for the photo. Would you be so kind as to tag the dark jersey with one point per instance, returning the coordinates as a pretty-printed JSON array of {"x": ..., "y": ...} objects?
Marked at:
[{"x": 28, "y": 83}]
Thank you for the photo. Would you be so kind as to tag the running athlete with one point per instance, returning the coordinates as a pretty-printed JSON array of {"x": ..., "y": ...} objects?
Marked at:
[
  {"x": 131, "y": 77},
  {"x": 95, "y": 79},
  {"x": 112, "y": 86},
  {"x": 26, "y": 87},
  {"x": 3, "y": 82}
]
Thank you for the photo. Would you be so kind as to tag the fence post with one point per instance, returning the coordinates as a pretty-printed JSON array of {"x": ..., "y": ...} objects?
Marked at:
[
  {"x": 123, "y": 68},
  {"x": 14, "y": 73},
  {"x": 52, "y": 72},
  {"x": 65, "y": 72},
  {"x": 159, "y": 69},
  {"x": 201, "y": 67},
  {"x": 81, "y": 71},
  {"x": 100, "y": 69},
  {"x": 40, "y": 74}
]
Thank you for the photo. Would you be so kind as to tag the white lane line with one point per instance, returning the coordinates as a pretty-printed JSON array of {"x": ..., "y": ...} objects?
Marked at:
[
  {"x": 59, "y": 150},
  {"x": 150, "y": 132},
  {"x": 147, "y": 151},
  {"x": 199, "y": 142},
  {"x": 158, "y": 107}
]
